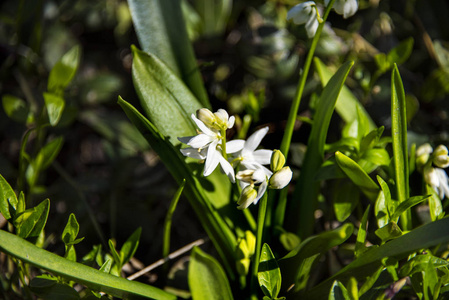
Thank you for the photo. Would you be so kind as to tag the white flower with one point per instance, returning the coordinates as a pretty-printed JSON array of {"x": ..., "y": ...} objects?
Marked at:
[
  {"x": 347, "y": 8},
  {"x": 248, "y": 156},
  {"x": 207, "y": 144},
  {"x": 305, "y": 13},
  {"x": 440, "y": 157},
  {"x": 438, "y": 180},
  {"x": 281, "y": 178}
]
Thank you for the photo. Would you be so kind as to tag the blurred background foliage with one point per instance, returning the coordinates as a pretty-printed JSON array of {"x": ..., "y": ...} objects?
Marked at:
[{"x": 250, "y": 59}]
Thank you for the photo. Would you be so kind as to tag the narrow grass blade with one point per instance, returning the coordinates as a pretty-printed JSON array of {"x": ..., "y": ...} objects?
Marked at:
[
  {"x": 168, "y": 220},
  {"x": 400, "y": 147},
  {"x": 90, "y": 277}
]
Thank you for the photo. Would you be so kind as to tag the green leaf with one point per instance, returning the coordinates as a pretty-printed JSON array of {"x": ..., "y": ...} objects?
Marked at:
[
  {"x": 361, "y": 234},
  {"x": 419, "y": 263},
  {"x": 64, "y": 71},
  {"x": 48, "y": 153},
  {"x": 214, "y": 15},
  {"x": 55, "y": 107},
  {"x": 161, "y": 31},
  {"x": 357, "y": 175},
  {"x": 73, "y": 271},
  {"x": 389, "y": 231},
  {"x": 15, "y": 108},
  {"x": 207, "y": 279},
  {"x": 345, "y": 199},
  {"x": 338, "y": 292},
  {"x": 399, "y": 134},
  {"x": 167, "y": 102},
  {"x": 130, "y": 246},
  {"x": 49, "y": 289},
  {"x": 8, "y": 199},
  {"x": 347, "y": 104},
  {"x": 70, "y": 231},
  {"x": 292, "y": 264},
  {"x": 404, "y": 206},
  {"x": 106, "y": 267},
  {"x": 377, "y": 156},
  {"x": 426, "y": 236},
  {"x": 115, "y": 254},
  {"x": 32, "y": 221},
  {"x": 306, "y": 191},
  {"x": 269, "y": 274},
  {"x": 435, "y": 205},
  {"x": 400, "y": 53}
]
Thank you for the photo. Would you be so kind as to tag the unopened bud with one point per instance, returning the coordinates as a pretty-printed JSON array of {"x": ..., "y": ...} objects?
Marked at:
[
  {"x": 440, "y": 157},
  {"x": 281, "y": 178},
  {"x": 207, "y": 117},
  {"x": 248, "y": 195},
  {"x": 277, "y": 161}
]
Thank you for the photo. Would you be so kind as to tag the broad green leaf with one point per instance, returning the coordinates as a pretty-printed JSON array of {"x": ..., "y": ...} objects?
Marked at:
[
  {"x": 217, "y": 229},
  {"x": 292, "y": 263},
  {"x": 167, "y": 102},
  {"x": 357, "y": 175},
  {"x": 419, "y": 263},
  {"x": 426, "y": 236},
  {"x": 400, "y": 147},
  {"x": 130, "y": 246},
  {"x": 15, "y": 108},
  {"x": 49, "y": 289},
  {"x": 338, "y": 292},
  {"x": 389, "y": 231},
  {"x": 345, "y": 198},
  {"x": 64, "y": 71},
  {"x": 431, "y": 284},
  {"x": 161, "y": 31},
  {"x": 55, "y": 106},
  {"x": 32, "y": 221},
  {"x": 269, "y": 274},
  {"x": 7, "y": 198},
  {"x": 347, "y": 104},
  {"x": 306, "y": 192},
  {"x": 404, "y": 206},
  {"x": 73, "y": 271},
  {"x": 361, "y": 234},
  {"x": 377, "y": 156},
  {"x": 207, "y": 279}
]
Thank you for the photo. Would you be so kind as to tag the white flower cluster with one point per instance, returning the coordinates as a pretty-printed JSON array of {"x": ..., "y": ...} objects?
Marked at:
[
  {"x": 307, "y": 13},
  {"x": 431, "y": 163},
  {"x": 211, "y": 146}
]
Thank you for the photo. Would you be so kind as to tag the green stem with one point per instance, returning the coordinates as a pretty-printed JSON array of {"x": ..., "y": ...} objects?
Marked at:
[
  {"x": 288, "y": 133},
  {"x": 259, "y": 236}
]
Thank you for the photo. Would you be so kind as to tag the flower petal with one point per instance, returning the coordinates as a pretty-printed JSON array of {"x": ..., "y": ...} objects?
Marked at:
[
  {"x": 227, "y": 168},
  {"x": 186, "y": 139},
  {"x": 212, "y": 159},
  {"x": 193, "y": 153},
  {"x": 261, "y": 191},
  {"x": 254, "y": 140},
  {"x": 203, "y": 128},
  {"x": 234, "y": 146},
  {"x": 263, "y": 156},
  {"x": 200, "y": 141}
]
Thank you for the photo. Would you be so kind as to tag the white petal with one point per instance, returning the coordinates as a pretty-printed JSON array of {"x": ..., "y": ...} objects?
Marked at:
[
  {"x": 212, "y": 159},
  {"x": 424, "y": 149},
  {"x": 200, "y": 141},
  {"x": 443, "y": 182},
  {"x": 263, "y": 156},
  {"x": 203, "y": 128},
  {"x": 234, "y": 146},
  {"x": 231, "y": 122},
  {"x": 222, "y": 115},
  {"x": 193, "y": 153},
  {"x": 259, "y": 176},
  {"x": 227, "y": 168},
  {"x": 311, "y": 27},
  {"x": 186, "y": 139},
  {"x": 261, "y": 191},
  {"x": 350, "y": 8},
  {"x": 254, "y": 140},
  {"x": 301, "y": 13}
]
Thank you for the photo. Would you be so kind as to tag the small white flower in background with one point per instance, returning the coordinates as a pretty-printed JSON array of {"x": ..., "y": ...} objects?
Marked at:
[
  {"x": 431, "y": 164},
  {"x": 346, "y": 8},
  {"x": 305, "y": 13},
  {"x": 208, "y": 143},
  {"x": 281, "y": 178}
]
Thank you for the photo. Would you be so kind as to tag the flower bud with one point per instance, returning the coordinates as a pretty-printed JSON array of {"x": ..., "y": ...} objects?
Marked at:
[
  {"x": 277, "y": 161},
  {"x": 207, "y": 117},
  {"x": 248, "y": 195},
  {"x": 242, "y": 266},
  {"x": 242, "y": 249},
  {"x": 281, "y": 178},
  {"x": 440, "y": 157},
  {"x": 431, "y": 176},
  {"x": 422, "y": 154}
]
